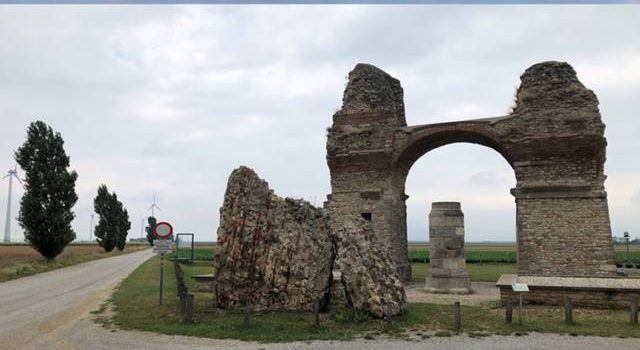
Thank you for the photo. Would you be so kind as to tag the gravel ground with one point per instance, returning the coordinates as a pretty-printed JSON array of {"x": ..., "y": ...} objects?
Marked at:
[
  {"x": 98, "y": 338},
  {"x": 483, "y": 292},
  {"x": 51, "y": 311}
]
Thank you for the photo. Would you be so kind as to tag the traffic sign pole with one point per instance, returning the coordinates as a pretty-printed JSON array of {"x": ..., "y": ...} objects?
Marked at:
[
  {"x": 163, "y": 232},
  {"x": 161, "y": 275}
]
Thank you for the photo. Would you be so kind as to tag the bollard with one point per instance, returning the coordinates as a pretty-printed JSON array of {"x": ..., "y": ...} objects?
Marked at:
[
  {"x": 508, "y": 316},
  {"x": 457, "y": 319},
  {"x": 187, "y": 308},
  {"x": 316, "y": 314},
  {"x": 633, "y": 310},
  {"x": 568, "y": 310}
]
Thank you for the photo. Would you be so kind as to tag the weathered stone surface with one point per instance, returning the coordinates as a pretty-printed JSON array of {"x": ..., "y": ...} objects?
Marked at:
[
  {"x": 553, "y": 140},
  {"x": 447, "y": 272},
  {"x": 274, "y": 253},
  {"x": 367, "y": 268}
]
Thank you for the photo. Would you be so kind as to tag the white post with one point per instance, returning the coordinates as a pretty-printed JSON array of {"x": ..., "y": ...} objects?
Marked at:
[
  {"x": 91, "y": 229},
  {"x": 7, "y": 223}
]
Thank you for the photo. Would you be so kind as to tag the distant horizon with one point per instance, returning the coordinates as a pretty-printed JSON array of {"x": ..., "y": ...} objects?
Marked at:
[{"x": 165, "y": 101}]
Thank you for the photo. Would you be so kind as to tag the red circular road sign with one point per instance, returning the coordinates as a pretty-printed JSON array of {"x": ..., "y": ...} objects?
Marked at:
[{"x": 162, "y": 230}]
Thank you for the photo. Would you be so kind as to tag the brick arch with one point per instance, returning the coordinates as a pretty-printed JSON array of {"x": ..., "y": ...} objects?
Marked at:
[
  {"x": 424, "y": 138},
  {"x": 553, "y": 140}
]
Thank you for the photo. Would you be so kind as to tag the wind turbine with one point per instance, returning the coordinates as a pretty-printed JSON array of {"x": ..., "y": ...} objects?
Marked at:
[
  {"x": 7, "y": 224},
  {"x": 91, "y": 228},
  {"x": 153, "y": 206},
  {"x": 141, "y": 226}
]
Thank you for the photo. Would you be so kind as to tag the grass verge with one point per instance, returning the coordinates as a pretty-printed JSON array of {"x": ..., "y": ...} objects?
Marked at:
[{"x": 135, "y": 306}]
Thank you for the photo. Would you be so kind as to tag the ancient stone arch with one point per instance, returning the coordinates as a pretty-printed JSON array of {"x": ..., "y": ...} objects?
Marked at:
[{"x": 553, "y": 139}]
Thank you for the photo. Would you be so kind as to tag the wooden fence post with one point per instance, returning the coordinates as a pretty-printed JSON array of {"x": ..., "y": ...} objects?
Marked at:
[
  {"x": 187, "y": 309},
  {"x": 633, "y": 310},
  {"x": 508, "y": 317},
  {"x": 316, "y": 313},
  {"x": 457, "y": 319},
  {"x": 568, "y": 310},
  {"x": 247, "y": 314}
]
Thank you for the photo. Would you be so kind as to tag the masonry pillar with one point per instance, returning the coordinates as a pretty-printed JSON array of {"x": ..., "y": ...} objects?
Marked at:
[{"x": 447, "y": 272}]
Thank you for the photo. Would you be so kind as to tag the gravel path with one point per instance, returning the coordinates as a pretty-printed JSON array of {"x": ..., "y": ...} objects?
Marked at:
[
  {"x": 483, "y": 292},
  {"x": 51, "y": 311}
]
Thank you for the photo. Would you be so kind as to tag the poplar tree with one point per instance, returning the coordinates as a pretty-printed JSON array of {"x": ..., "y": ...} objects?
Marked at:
[
  {"x": 152, "y": 222},
  {"x": 45, "y": 207},
  {"x": 106, "y": 229},
  {"x": 113, "y": 225}
]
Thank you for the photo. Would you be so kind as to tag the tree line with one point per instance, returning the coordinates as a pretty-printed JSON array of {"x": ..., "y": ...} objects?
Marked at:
[{"x": 46, "y": 206}]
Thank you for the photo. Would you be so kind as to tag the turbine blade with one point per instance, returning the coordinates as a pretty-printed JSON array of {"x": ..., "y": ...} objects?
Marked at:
[
  {"x": 20, "y": 181},
  {"x": 6, "y": 176}
]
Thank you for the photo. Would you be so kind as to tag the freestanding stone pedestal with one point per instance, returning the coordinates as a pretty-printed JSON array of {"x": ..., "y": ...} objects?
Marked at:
[{"x": 447, "y": 272}]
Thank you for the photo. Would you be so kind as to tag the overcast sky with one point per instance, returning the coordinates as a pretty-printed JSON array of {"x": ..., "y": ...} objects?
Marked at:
[{"x": 171, "y": 99}]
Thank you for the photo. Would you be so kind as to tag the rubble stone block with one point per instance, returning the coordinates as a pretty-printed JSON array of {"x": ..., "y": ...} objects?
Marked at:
[
  {"x": 275, "y": 253},
  {"x": 367, "y": 269}
]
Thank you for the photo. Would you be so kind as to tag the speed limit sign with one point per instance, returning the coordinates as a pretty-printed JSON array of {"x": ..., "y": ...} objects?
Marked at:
[{"x": 162, "y": 230}]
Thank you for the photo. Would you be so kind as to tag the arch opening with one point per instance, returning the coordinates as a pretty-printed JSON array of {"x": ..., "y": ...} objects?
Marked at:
[{"x": 481, "y": 183}]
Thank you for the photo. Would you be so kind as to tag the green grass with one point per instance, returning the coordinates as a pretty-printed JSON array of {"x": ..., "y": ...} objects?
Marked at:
[{"x": 135, "y": 303}]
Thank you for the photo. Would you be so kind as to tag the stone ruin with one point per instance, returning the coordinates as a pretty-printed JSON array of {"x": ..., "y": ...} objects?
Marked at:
[
  {"x": 553, "y": 139},
  {"x": 278, "y": 253},
  {"x": 447, "y": 265},
  {"x": 274, "y": 253},
  {"x": 367, "y": 270}
]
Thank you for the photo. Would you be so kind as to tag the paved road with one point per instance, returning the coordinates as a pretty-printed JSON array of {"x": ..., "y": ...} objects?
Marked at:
[
  {"x": 50, "y": 311},
  {"x": 36, "y": 310}
]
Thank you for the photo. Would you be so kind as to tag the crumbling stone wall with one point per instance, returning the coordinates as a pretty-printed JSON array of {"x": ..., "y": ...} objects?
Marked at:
[
  {"x": 277, "y": 253},
  {"x": 553, "y": 139},
  {"x": 367, "y": 269},
  {"x": 274, "y": 253}
]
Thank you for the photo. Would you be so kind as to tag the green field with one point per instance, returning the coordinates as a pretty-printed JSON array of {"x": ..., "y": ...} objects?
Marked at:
[
  {"x": 135, "y": 306},
  {"x": 474, "y": 253}
]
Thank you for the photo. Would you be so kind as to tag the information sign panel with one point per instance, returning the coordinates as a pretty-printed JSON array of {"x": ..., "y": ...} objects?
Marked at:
[
  {"x": 519, "y": 287},
  {"x": 162, "y": 246}
]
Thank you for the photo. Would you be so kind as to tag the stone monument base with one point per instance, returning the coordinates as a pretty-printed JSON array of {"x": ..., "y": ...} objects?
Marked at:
[
  {"x": 448, "y": 285},
  {"x": 596, "y": 292}
]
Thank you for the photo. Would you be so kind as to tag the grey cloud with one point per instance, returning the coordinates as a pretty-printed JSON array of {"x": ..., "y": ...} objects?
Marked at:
[{"x": 172, "y": 98}]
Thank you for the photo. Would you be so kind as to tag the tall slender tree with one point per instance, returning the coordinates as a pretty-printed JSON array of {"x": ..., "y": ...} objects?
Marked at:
[
  {"x": 45, "y": 208},
  {"x": 113, "y": 224},
  {"x": 106, "y": 229},
  {"x": 152, "y": 222},
  {"x": 124, "y": 225}
]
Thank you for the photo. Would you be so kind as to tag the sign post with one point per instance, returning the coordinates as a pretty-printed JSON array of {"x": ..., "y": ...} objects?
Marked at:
[
  {"x": 520, "y": 288},
  {"x": 163, "y": 232}
]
